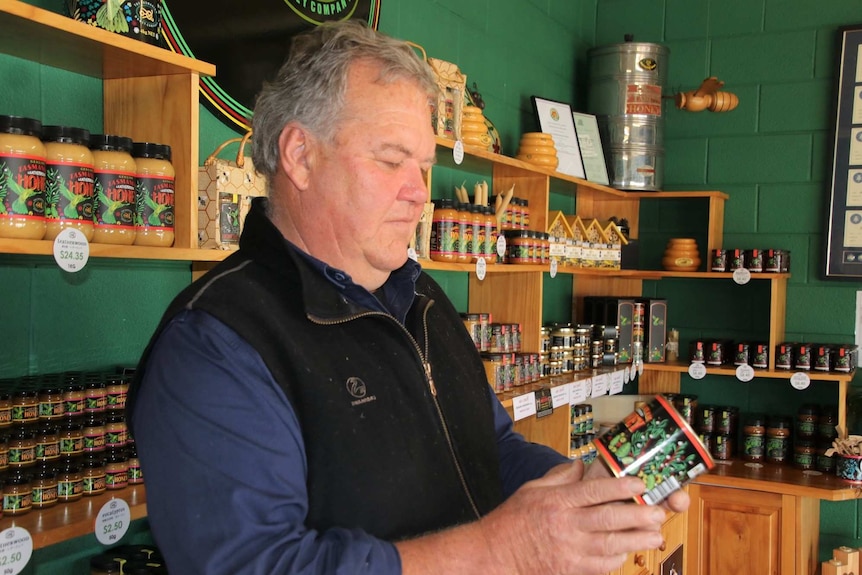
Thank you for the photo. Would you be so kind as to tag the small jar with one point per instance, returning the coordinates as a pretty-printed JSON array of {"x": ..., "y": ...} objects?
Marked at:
[
  {"x": 155, "y": 194},
  {"x": 17, "y": 493},
  {"x": 94, "y": 433},
  {"x": 22, "y": 198},
  {"x": 489, "y": 223},
  {"x": 22, "y": 447},
  {"x": 464, "y": 240},
  {"x": 70, "y": 480},
  {"x": 69, "y": 186},
  {"x": 754, "y": 438},
  {"x": 4, "y": 451},
  {"x": 116, "y": 469},
  {"x": 5, "y": 410},
  {"x": 115, "y": 208},
  {"x": 722, "y": 446},
  {"x": 93, "y": 473},
  {"x": 51, "y": 403},
  {"x": 116, "y": 432},
  {"x": 804, "y": 454},
  {"x": 445, "y": 231},
  {"x": 71, "y": 438},
  {"x": 705, "y": 418},
  {"x": 727, "y": 419},
  {"x": 802, "y": 357},
  {"x": 136, "y": 476},
  {"x": 47, "y": 442},
  {"x": 826, "y": 422},
  {"x": 96, "y": 395},
  {"x": 778, "y": 439},
  {"x": 25, "y": 406},
  {"x": 806, "y": 421},
  {"x": 116, "y": 390},
  {"x": 44, "y": 487},
  {"x": 74, "y": 399},
  {"x": 718, "y": 260},
  {"x": 519, "y": 244}
]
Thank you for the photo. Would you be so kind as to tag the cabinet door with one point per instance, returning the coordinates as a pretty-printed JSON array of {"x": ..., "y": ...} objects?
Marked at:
[
  {"x": 637, "y": 563},
  {"x": 670, "y": 557},
  {"x": 736, "y": 531}
]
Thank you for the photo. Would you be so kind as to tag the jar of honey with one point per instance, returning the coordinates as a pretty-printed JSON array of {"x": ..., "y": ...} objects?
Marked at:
[
  {"x": 155, "y": 194},
  {"x": 69, "y": 186},
  {"x": 22, "y": 156}
]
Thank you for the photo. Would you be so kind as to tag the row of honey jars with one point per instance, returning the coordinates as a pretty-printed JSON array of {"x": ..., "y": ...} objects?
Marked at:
[
  {"x": 506, "y": 371},
  {"x": 527, "y": 247},
  {"x": 110, "y": 189},
  {"x": 516, "y": 216},
  {"x": 463, "y": 233},
  {"x": 493, "y": 337},
  {"x": 754, "y": 260}
]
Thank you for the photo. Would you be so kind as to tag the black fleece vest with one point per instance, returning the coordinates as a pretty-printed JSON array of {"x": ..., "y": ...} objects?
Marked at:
[{"x": 384, "y": 454}]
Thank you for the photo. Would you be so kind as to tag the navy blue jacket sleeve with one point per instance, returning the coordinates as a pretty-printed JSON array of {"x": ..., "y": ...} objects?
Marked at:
[{"x": 224, "y": 465}]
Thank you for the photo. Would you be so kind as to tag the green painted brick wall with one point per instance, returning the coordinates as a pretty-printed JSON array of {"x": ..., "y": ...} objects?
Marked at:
[{"x": 772, "y": 157}]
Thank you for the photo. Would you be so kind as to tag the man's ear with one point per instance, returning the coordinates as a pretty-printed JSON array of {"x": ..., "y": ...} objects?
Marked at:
[{"x": 295, "y": 145}]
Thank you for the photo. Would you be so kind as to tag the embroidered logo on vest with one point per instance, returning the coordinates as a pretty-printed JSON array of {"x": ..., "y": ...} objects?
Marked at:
[{"x": 356, "y": 388}]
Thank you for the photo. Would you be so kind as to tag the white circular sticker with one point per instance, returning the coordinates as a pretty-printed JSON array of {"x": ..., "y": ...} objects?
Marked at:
[
  {"x": 553, "y": 268},
  {"x": 501, "y": 245},
  {"x": 640, "y": 368},
  {"x": 113, "y": 521},
  {"x": 458, "y": 152},
  {"x": 628, "y": 373},
  {"x": 741, "y": 276},
  {"x": 697, "y": 371},
  {"x": 800, "y": 380},
  {"x": 16, "y": 548},
  {"x": 745, "y": 373},
  {"x": 481, "y": 268},
  {"x": 71, "y": 250},
  {"x": 411, "y": 253}
]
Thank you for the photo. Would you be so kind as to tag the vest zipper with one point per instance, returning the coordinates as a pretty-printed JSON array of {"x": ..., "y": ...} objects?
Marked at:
[{"x": 426, "y": 367}]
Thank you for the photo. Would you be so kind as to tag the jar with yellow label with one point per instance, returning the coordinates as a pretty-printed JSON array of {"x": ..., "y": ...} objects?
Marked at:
[
  {"x": 22, "y": 447},
  {"x": 94, "y": 433},
  {"x": 5, "y": 410},
  {"x": 154, "y": 222},
  {"x": 116, "y": 469},
  {"x": 71, "y": 438},
  {"x": 47, "y": 442},
  {"x": 22, "y": 179},
  {"x": 116, "y": 390},
  {"x": 69, "y": 180},
  {"x": 114, "y": 206},
  {"x": 116, "y": 432},
  {"x": 25, "y": 406},
  {"x": 136, "y": 476}
]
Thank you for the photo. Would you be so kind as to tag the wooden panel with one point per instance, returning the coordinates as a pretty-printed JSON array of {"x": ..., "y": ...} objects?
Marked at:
[
  {"x": 777, "y": 309},
  {"x": 715, "y": 229},
  {"x": 652, "y": 382},
  {"x": 551, "y": 430},
  {"x": 164, "y": 110},
  {"x": 511, "y": 298},
  {"x": 740, "y": 532},
  {"x": 596, "y": 204},
  {"x": 528, "y": 185},
  {"x": 674, "y": 532},
  {"x": 806, "y": 530},
  {"x": 637, "y": 563}
]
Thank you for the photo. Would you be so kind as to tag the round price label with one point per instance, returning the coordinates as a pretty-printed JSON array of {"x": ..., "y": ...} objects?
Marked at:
[
  {"x": 113, "y": 521},
  {"x": 458, "y": 152},
  {"x": 501, "y": 245},
  {"x": 744, "y": 373},
  {"x": 481, "y": 268},
  {"x": 640, "y": 368},
  {"x": 628, "y": 373},
  {"x": 800, "y": 380},
  {"x": 16, "y": 548},
  {"x": 553, "y": 268},
  {"x": 697, "y": 371},
  {"x": 411, "y": 253},
  {"x": 71, "y": 250},
  {"x": 741, "y": 276}
]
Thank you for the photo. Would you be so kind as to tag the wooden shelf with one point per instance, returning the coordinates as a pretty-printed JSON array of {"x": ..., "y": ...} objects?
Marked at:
[
  {"x": 55, "y": 40},
  {"x": 730, "y": 370},
  {"x": 68, "y": 520},
  {"x": 782, "y": 479},
  {"x": 46, "y": 248}
]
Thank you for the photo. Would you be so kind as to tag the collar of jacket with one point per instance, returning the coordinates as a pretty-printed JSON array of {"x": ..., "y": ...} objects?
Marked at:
[{"x": 262, "y": 242}]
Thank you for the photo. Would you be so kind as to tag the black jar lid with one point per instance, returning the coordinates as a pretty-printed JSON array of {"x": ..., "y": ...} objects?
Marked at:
[
  {"x": 110, "y": 143},
  {"x": 114, "y": 455},
  {"x": 92, "y": 461},
  {"x": 151, "y": 150},
  {"x": 26, "y": 394},
  {"x": 106, "y": 564},
  {"x": 73, "y": 425},
  {"x": 69, "y": 464},
  {"x": 66, "y": 135},
  {"x": 20, "y": 126},
  {"x": 96, "y": 384},
  {"x": 779, "y": 422},
  {"x": 22, "y": 432}
]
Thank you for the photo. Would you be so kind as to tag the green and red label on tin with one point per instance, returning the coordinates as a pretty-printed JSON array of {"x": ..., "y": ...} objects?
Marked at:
[{"x": 656, "y": 444}]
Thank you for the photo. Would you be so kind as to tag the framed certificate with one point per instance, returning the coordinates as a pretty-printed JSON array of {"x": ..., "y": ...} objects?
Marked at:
[
  {"x": 844, "y": 238},
  {"x": 590, "y": 144},
  {"x": 556, "y": 118}
]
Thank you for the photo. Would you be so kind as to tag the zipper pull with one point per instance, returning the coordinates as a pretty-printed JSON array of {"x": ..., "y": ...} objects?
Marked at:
[{"x": 430, "y": 379}]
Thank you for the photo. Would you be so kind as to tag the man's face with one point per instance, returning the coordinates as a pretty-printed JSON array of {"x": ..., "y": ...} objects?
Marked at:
[{"x": 370, "y": 180}]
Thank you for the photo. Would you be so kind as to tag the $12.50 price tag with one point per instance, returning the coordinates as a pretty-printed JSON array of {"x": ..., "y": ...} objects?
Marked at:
[
  {"x": 16, "y": 548},
  {"x": 113, "y": 521}
]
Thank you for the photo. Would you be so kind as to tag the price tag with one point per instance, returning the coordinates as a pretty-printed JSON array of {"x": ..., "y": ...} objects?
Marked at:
[
  {"x": 697, "y": 371},
  {"x": 481, "y": 268},
  {"x": 560, "y": 395},
  {"x": 640, "y": 368},
  {"x": 71, "y": 250},
  {"x": 617, "y": 382},
  {"x": 113, "y": 521},
  {"x": 458, "y": 152},
  {"x": 629, "y": 375},
  {"x": 741, "y": 276},
  {"x": 600, "y": 385},
  {"x": 800, "y": 380},
  {"x": 524, "y": 406},
  {"x": 553, "y": 268},
  {"x": 16, "y": 548},
  {"x": 578, "y": 393},
  {"x": 744, "y": 373},
  {"x": 411, "y": 253},
  {"x": 501, "y": 245}
]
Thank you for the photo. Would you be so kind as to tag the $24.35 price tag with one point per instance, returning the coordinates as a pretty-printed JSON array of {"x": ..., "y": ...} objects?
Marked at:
[{"x": 71, "y": 250}]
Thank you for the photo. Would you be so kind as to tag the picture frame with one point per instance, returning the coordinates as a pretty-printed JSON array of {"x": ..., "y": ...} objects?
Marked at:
[
  {"x": 556, "y": 118},
  {"x": 590, "y": 144},
  {"x": 844, "y": 235}
]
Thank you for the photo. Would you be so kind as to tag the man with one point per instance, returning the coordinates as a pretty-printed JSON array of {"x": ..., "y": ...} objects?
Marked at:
[{"x": 314, "y": 404}]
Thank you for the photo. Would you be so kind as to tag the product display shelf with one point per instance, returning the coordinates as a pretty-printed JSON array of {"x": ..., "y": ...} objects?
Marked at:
[
  {"x": 149, "y": 94},
  {"x": 69, "y": 520}
]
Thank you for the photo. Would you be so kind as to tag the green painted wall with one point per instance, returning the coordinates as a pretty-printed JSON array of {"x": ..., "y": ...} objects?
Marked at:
[{"x": 770, "y": 155}]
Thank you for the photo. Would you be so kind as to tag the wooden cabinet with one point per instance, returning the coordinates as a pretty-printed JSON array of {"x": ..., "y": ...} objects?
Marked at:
[{"x": 671, "y": 553}]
